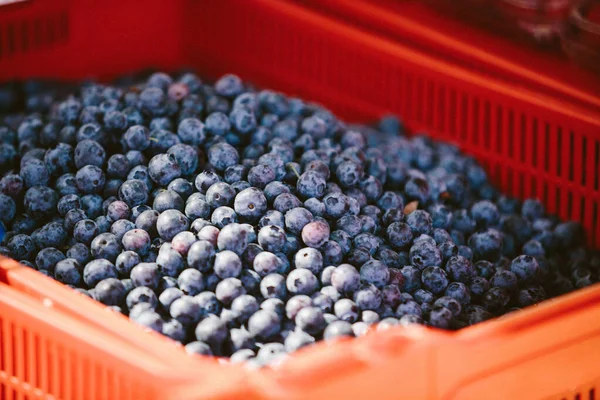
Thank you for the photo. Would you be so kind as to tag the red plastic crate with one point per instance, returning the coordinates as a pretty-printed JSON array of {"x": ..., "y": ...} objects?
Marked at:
[
  {"x": 486, "y": 42},
  {"x": 531, "y": 143}
]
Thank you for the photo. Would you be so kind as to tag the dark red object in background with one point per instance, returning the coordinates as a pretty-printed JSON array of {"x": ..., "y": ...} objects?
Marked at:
[{"x": 581, "y": 39}]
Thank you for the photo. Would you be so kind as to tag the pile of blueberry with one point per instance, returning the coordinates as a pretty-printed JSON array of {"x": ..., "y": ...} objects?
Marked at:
[{"x": 248, "y": 224}]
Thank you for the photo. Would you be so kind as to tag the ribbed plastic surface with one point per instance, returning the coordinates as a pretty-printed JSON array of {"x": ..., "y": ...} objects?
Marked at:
[
  {"x": 484, "y": 44},
  {"x": 531, "y": 144}
]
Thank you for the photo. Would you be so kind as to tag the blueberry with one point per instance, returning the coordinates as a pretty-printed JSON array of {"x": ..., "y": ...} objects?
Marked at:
[
  {"x": 530, "y": 296},
  {"x": 440, "y": 317},
  {"x": 222, "y": 155},
  {"x": 198, "y": 348},
  {"x": 460, "y": 269},
  {"x": 184, "y": 309},
  {"x": 212, "y": 331},
  {"x": 315, "y": 126},
  {"x": 425, "y": 254},
  {"x": 191, "y": 281},
  {"x": 34, "y": 173},
  {"x": 227, "y": 264},
  {"x": 110, "y": 292},
  {"x": 486, "y": 244},
  {"x": 229, "y": 289},
  {"x": 210, "y": 233},
  {"x": 12, "y": 185},
  {"x": 532, "y": 209},
  {"x": 133, "y": 192},
  {"x": 349, "y": 173},
  {"x": 484, "y": 268},
  {"x": 420, "y": 222},
  {"x": 53, "y": 234},
  {"x": 118, "y": 210},
  {"x": 297, "y": 340},
  {"x": 301, "y": 281},
  {"x": 163, "y": 168},
  {"x": 368, "y": 297},
  {"x": 264, "y": 324},
  {"x": 169, "y": 296},
  {"x": 85, "y": 231},
  {"x": 67, "y": 271},
  {"x": 125, "y": 262},
  {"x": 98, "y": 270},
  {"x": 273, "y": 285},
  {"x": 223, "y": 216},
  {"x": 450, "y": 303},
  {"x": 315, "y": 234},
  {"x": 168, "y": 200},
  {"x": 332, "y": 253},
  {"x": 40, "y": 201},
  {"x": 310, "y": 259},
  {"x": 346, "y": 310},
  {"x": 145, "y": 274},
  {"x": 240, "y": 340},
  {"x": 525, "y": 267},
  {"x": 310, "y": 320},
  {"x": 485, "y": 213},
  {"x": 266, "y": 263},
  {"x": 495, "y": 299},
  {"x": 170, "y": 223},
  {"x": 505, "y": 279},
  {"x": 477, "y": 287},
  {"x": 90, "y": 179},
  {"x": 315, "y": 206},
  {"x": 434, "y": 279},
  {"x": 409, "y": 307},
  {"x": 80, "y": 253},
  {"x": 336, "y": 205},
  {"x": 296, "y": 219},
  {"x": 182, "y": 187},
  {"x": 229, "y": 85},
  {"x": 285, "y": 202}
]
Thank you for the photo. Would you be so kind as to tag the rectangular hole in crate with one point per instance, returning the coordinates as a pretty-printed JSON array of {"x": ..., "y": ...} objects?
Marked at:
[
  {"x": 441, "y": 100},
  {"x": 592, "y": 394},
  {"x": 557, "y": 156},
  {"x": 595, "y": 222},
  {"x": 11, "y": 39},
  {"x": 511, "y": 134},
  {"x": 571, "y": 158},
  {"x": 570, "y": 204},
  {"x": 418, "y": 99},
  {"x": 34, "y": 34},
  {"x": 545, "y": 155},
  {"x": 522, "y": 137},
  {"x": 596, "y": 164},
  {"x": 535, "y": 141},
  {"x": 498, "y": 130},
  {"x": 452, "y": 112},
  {"x": 430, "y": 102},
  {"x": 583, "y": 160},
  {"x": 544, "y": 194},
  {"x": 24, "y": 36},
  {"x": 487, "y": 131},
  {"x": 477, "y": 111},
  {"x": 464, "y": 119}
]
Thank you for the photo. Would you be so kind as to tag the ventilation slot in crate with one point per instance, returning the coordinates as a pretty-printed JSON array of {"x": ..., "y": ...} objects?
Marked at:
[{"x": 35, "y": 34}]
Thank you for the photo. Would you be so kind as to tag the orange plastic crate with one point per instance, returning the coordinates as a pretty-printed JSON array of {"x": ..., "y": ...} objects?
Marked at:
[{"x": 531, "y": 143}]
